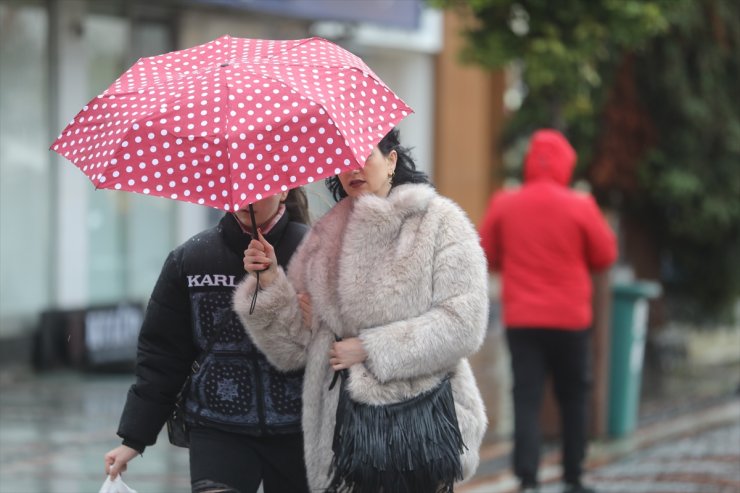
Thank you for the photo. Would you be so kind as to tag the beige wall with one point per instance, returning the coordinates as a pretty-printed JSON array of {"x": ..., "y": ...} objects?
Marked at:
[
  {"x": 468, "y": 120},
  {"x": 469, "y": 117}
]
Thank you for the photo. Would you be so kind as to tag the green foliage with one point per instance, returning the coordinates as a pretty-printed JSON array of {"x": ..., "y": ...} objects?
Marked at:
[
  {"x": 691, "y": 180},
  {"x": 687, "y": 70},
  {"x": 566, "y": 46}
]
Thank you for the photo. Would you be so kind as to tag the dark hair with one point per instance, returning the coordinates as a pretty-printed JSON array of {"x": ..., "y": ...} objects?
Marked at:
[
  {"x": 296, "y": 204},
  {"x": 405, "y": 172}
]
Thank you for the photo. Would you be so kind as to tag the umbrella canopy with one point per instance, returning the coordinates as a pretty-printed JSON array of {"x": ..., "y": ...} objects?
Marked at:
[{"x": 233, "y": 121}]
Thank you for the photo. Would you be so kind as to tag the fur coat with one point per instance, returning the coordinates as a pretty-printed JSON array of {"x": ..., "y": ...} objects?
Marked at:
[{"x": 404, "y": 273}]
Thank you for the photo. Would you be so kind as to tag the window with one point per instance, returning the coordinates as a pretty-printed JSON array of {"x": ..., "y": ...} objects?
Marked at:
[
  {"x": 25, "y": 182},
  {"x": 129, "y": 234}
]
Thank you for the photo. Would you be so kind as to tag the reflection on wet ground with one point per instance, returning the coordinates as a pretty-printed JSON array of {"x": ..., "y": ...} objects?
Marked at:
[{"x": 55, "y": 428}]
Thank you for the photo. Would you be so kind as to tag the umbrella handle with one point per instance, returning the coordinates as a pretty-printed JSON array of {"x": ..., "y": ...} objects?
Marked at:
[
  {"x": 257, "y": 273},
  {"x": 254, "y": 221},
  {"x": 254, "y": 296},
  {"x": 254, "y": 236}
]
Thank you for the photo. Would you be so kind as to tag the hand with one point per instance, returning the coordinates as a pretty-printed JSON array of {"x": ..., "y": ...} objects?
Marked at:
[
  {"x": 346, "y": 353},
  {"x": 260, "y": 257},
  {"x": 304, "y": 300},
  {"x": 116, "y": 460}
]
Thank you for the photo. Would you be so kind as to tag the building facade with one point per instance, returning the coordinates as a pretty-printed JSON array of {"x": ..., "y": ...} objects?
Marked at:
[{"x": 66, "y": 246}]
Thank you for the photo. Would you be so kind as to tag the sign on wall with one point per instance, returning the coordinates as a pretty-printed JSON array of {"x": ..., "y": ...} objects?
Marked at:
[{"x": 111, "y": 334}]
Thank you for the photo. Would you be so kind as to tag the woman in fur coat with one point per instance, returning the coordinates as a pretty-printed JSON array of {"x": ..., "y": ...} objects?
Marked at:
[{"x": 396, "y": 272}]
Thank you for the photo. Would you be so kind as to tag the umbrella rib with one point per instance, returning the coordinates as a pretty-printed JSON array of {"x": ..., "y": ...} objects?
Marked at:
[
  {"x": 322, "y": 105},
  {"x": 162, "y": 84},
  {"x": 175, "y": 74},
  {"x": 309, "y": 64},
  {"x": 228, "y": 143},
  {"x": 285, "y": 50},
  {"x": 227, "y": 138}
]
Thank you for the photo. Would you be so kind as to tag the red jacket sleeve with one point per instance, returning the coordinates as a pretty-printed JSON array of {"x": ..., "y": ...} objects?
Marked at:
[{"x": 601, "y": 244}]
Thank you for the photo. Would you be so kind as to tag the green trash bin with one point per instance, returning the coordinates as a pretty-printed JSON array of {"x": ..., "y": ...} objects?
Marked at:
[{"x": 628, "y": 331}]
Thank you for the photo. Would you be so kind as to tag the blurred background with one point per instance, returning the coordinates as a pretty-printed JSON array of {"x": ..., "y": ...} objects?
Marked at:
[{"x": 646, "y": 90}]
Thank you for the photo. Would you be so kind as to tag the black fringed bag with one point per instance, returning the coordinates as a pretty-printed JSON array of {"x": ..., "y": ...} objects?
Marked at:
[{"x": 412, "y": 446}]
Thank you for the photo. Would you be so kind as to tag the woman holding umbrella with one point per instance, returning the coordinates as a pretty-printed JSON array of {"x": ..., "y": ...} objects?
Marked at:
[
  {"x": 244, "y": 414},
  {"x": 389, "y": 287}
]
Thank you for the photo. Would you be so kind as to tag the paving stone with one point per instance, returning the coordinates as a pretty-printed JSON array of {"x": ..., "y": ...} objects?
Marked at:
[
  {"x": 698, "y": 452},
  {"x": 706, "y": 462},
  {"x": 55, "y": 428}
]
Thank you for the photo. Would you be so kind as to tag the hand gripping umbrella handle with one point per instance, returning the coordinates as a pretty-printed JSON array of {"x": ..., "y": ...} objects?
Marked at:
[
  {"x": 254, "y": 221},
  {"x": 254, "y": 235}
]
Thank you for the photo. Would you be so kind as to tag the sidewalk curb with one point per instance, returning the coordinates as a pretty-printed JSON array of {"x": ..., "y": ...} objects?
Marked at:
[{"x": 606, "y": 451}]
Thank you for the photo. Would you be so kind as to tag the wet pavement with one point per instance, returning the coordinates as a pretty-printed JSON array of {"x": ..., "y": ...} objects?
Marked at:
[
  {"x": 706, "y": 462},
  {"x": 698, "y": 452},
  {"x": 687, "y": 441},
  {"x": 56, "y": 426}
]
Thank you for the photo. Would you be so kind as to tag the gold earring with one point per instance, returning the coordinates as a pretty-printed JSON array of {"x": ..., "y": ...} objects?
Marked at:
[{"x": 391, "y": 175}]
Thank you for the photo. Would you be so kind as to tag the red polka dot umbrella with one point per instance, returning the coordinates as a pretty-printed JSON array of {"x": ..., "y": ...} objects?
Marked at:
[{"x": 232, "y": 121}]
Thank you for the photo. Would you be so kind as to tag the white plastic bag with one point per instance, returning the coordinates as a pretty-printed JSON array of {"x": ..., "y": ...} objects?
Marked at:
[{"x": 115, "y": 486}]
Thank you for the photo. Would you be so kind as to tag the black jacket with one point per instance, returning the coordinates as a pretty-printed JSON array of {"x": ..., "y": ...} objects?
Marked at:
[{"x": 236, "y": 389}]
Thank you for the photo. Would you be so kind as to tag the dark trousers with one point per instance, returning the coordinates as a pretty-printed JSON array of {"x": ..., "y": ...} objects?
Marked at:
[
  {"x": 566, "y": 356},
  {"x": 234, "y": 463}
]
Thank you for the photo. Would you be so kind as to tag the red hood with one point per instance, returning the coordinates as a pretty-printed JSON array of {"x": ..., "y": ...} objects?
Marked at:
[{"x": 550, "y": 157}]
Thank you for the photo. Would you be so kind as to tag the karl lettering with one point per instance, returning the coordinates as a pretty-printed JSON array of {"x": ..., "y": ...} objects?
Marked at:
[{"x": 200, "y": 280}]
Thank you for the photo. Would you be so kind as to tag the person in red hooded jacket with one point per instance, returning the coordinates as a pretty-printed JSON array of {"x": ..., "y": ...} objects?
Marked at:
[{"x": 547, "y": 240}]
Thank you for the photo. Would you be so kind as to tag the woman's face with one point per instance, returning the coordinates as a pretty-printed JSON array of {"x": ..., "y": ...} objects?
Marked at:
[
  {"x": 373, "y": 178},
  {"x": 264, "y": 210}
]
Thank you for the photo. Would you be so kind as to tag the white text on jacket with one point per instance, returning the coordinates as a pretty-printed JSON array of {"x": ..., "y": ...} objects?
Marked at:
[{"x": 201, "y": 280}]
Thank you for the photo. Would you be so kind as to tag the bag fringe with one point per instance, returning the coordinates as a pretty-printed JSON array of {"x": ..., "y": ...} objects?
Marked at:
[{"x": 413, "y": 446}]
